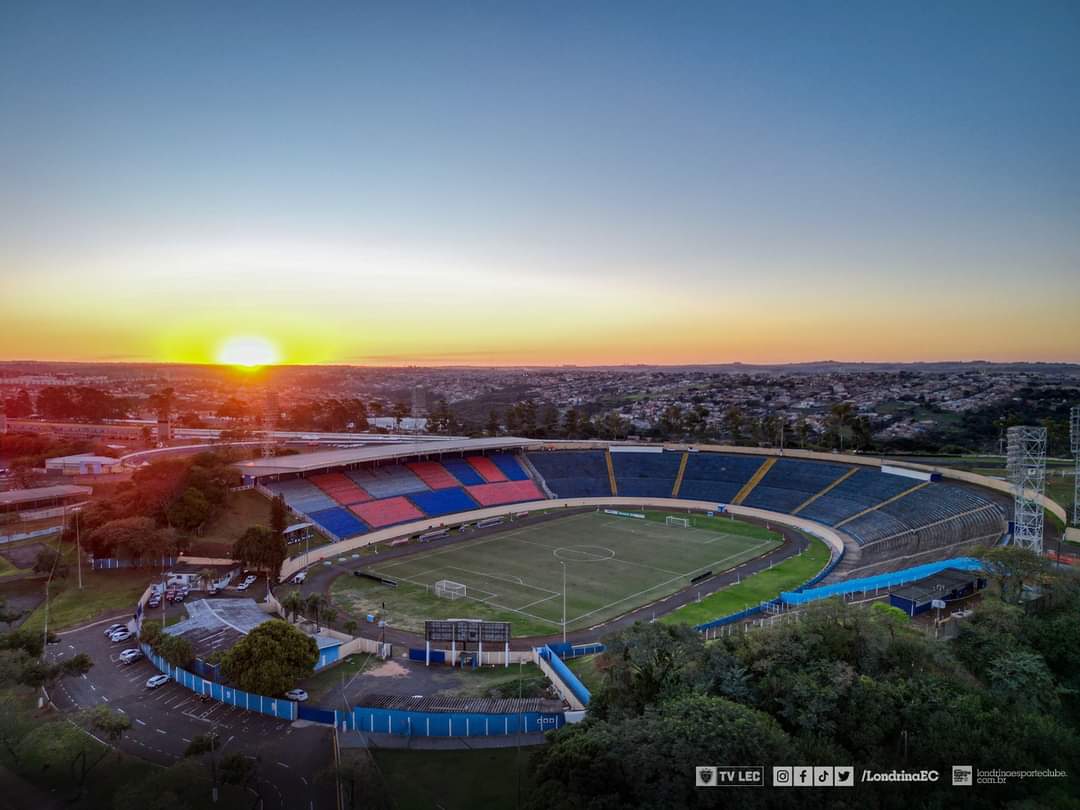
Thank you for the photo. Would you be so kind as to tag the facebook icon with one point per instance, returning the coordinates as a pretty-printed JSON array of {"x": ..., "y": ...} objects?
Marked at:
[{"x": 804, "y": 777}]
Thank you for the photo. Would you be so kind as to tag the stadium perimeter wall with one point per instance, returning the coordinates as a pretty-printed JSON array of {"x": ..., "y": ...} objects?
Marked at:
[{"x": 831, "y": 537}]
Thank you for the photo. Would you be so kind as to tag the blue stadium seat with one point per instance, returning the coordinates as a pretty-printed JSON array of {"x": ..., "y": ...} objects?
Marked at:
[
  {"x": 573, "y": 473},
  {"x": 339, "y": 521},
  {"x": 463, "y": 471},
  {"x": 717, "y": 477},
  {"x": 790, "y": 482},
  {"x": 443, "y": 501},
  {"x": 510, "y": 467},
  {"x": 646, "y": 475}
]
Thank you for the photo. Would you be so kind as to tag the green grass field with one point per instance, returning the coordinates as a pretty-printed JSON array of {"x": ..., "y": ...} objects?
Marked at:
[
  {"x": 613, "y": 564},
  {"x": 242, "y": 510},
  {"x": 103, "y": 592},
  {"x": 768, "y": 584}
]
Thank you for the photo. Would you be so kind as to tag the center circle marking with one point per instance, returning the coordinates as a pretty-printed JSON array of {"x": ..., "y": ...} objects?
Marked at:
[{"x": 583, "y": 553}]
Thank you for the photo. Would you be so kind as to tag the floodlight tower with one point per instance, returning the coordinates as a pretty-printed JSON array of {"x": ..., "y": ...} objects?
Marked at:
[
  {"x": 1027, "y": 474},
  {"x": 1074, "y": 438}
]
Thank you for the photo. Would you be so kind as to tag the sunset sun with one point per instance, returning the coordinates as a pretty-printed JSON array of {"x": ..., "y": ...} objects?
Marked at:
[{"x": 248, "y": 352}]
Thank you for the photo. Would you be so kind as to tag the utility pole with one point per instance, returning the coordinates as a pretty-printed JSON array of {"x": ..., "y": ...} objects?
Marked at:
[
  {"x": 78, "y": 544},
  {"x": 563, "y": 601}
]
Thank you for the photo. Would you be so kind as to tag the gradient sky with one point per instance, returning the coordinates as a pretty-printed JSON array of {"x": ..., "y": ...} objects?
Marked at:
[{"x": 540, "y": 182}]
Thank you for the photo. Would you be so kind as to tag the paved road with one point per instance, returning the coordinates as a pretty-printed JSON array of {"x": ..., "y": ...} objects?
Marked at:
[
  {"x": 322, "y": 575},
  {"x": 165, "y": 720}
]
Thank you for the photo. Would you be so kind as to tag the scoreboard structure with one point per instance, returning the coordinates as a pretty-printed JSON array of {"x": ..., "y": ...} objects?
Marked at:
[{"x": 464, "y": 632}]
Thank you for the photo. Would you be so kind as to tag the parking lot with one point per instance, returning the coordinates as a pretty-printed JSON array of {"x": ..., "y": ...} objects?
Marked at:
[{"x": 166, "y": 719}]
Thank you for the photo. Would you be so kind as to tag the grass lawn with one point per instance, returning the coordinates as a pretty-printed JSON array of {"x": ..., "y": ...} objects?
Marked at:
[
  {"x": 612, "y": 565},
  {"x": 242, "y": 510},
  {"x": 7, "y": 569},
  {"x": 585, "y": 668},
  {"x": 481, "y": 779},
  {"x": 103, "y": 592},
  {"x": 328, "y": 683},
  {"x": 758, "y": 588}
]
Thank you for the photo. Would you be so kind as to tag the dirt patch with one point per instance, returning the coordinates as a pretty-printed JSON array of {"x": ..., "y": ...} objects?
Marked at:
[
  {"x": 22, "y": 556},
  {"x": 390, "y": 669}
]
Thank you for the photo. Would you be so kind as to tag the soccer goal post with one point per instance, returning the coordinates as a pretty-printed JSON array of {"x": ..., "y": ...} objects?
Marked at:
[
  {"x": 682, "y": 523},
  {"x": 448, "y": 589}
]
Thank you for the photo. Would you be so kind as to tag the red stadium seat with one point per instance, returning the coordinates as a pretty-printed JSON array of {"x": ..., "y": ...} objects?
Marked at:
[
  {"x": 341, "y": 488},
  {"x": 487, "y": 469},
  {"x": 433, "y": 474},
  {"x": 386, "y": 512},
  {"x": 505, "y": 492}
]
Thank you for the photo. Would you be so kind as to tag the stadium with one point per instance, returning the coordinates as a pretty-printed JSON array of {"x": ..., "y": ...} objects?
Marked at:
[{"x": 560, "y": 537}]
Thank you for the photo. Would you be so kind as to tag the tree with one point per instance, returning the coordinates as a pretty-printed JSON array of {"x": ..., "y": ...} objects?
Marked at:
[
  {"x": 492, "y": 427},
  {"x": 271, "y": 658},
  {"x": 190, "y": 511},
  {"x": 1012, "y": 567},
  {"x": 162, "y": 402},
  {"x": 107, "y": 724},
  {"x": 9, "y": 615},
  {"x": 329, "y": 615},
  {"x": 293, "y": 604},
  {"x": 50, "y": 561},
  {"x": 401, "y": 410},
  {"x": 258, "y": 547},
  {"x": 571, "y": 425},
  {"x": 177, "y": 650},
  {"x": 314, "y": 604},
  {"x": 351, "y": 626},
  {"x": 279, "y": 515}
]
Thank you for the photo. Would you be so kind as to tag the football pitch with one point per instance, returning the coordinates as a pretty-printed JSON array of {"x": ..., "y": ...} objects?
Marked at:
[{"x": 612, "y": 565}]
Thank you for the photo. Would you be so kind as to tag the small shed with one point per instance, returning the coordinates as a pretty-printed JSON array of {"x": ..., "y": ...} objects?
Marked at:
[{"x": 947, "y": 585}]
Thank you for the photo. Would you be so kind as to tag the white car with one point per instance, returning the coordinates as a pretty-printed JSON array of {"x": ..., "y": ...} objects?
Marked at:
[
  {"x": 296, "y": 694},
  {"x": 130, "y": 656},
  {"x": 156, "y": 681},
  {"x": 120, "y": 635},
  {"x": 243, "y": 586},
  {"x": 299, "y": 578},
  {"x": 114, "y": 628}
]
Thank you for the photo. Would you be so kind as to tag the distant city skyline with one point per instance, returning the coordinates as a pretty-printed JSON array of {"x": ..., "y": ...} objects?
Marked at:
[{"x": 494, "y": 185}]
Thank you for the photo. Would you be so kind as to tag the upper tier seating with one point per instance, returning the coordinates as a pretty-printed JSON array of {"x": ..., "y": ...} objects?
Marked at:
[
  {"x": 433, "y": 474},
  {"x": 717, "y": 477},
  {"x": 864, "y": 489},
  {"x": 573, "y": 473},
  {"x": 487, "y": 468},
  {"x": 646, "y": 475},
  {"x": 443, "y": 501},
  {"x": 302, "y": 496},
  {"x": 377, "y": 514},
  {"x": 510, "y": 467},
  {"x": 463, "y": 471},
  {"x": 340, "y": 487},
  {"x": 339, "y": 522},
  {"x": 505, "y": 492},
  {"x": 790, "y": 482},
  {"x": 388, "y": 481}
]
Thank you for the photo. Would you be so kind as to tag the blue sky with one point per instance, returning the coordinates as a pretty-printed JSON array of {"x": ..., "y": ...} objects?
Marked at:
[{"x": 887, "y": 170}]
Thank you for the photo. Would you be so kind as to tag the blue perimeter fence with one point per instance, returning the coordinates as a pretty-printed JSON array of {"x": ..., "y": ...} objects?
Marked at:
[
  {"x": 399, "y": 722},
  {"x": 274, "y": 707},
  {"x": 573, "y": 683},
  {"x": 877, "y": 581}
]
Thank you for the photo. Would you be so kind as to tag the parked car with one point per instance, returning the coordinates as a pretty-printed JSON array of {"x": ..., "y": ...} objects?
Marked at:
[
  {"x": 299, "y": 578},
  {"x": 243, "y": 586},
  {"x": 156, "y": 681},
  {"x": 296, "y": 694},
  {"x": 113, "y": 628},
  {"x": 130, "y": 656},
  {"x": 120, "y": 635},
  {"x": 154, "y": 602},
  {"x": 212, "y": 590}
]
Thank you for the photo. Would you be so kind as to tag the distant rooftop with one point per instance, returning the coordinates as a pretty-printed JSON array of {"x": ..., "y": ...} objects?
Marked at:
[
  {"x": 16, "y": 496},
  {"x": 219, "y": 623},
  {"x": 327, "y": 459}
]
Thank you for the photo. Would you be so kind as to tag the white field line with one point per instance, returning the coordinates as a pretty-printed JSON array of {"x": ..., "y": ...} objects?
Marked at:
[
  {"x": 503, "y": 579},
  {"x": 662, "y": 584}
]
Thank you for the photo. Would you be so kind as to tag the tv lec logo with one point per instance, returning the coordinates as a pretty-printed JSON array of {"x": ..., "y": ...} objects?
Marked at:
[{"x": 730, "y": 776}]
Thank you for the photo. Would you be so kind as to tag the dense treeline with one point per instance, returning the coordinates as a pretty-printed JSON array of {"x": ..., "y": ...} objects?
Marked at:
[
  {"x": 156, "y": 512},
  {"x": 844, "y": 686}
]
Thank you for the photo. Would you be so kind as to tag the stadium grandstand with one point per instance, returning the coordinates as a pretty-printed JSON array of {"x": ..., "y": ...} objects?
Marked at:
[{"x": 883, "y": 513}]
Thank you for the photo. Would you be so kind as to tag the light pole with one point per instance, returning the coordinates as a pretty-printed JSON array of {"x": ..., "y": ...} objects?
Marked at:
[
  {"x": 78, "y": 544},
  {"x": 563, "y": 602}
]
